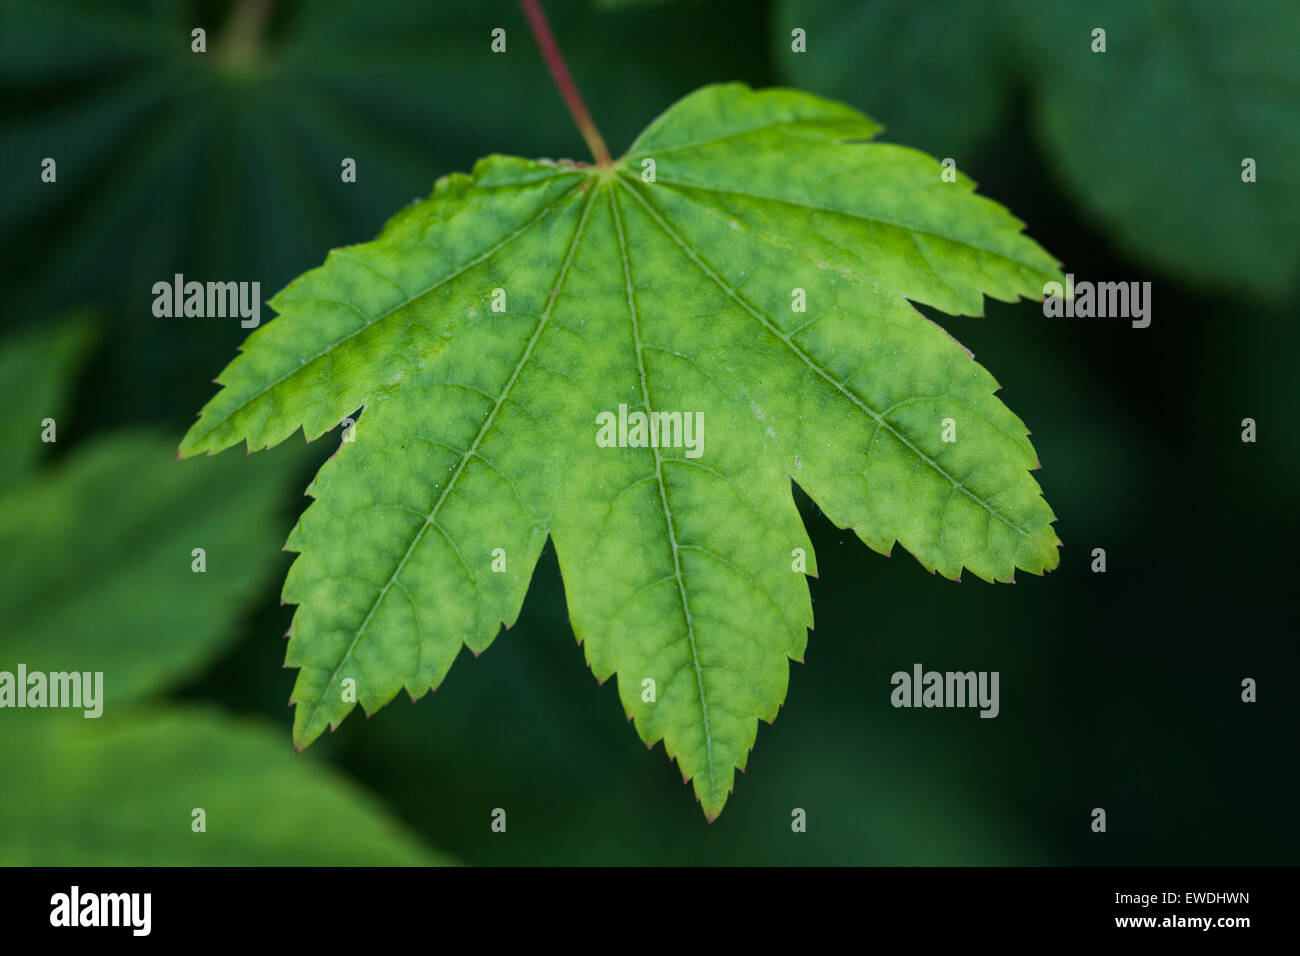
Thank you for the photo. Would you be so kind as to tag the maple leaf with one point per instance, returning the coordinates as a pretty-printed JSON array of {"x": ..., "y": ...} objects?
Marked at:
[{"x": 505, "y": 336}]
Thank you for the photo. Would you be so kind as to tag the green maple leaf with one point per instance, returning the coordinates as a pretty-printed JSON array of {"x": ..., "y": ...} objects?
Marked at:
[{"x": 479, "y": 432}]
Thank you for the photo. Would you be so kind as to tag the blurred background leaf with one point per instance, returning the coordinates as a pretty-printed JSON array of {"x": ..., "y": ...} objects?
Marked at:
[
  {"x": 106, "y": 538},
  {"x": 99, "y": 578},
  {"x": 935, "y": 74},
  {"x": 122, "y": 789},
  {"x": 36, "y": 371},
  {"x": 1148, "y": 137}
]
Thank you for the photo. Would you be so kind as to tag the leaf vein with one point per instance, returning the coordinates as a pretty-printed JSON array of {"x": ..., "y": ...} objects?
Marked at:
[
  {"x": 663, "y": 497},
  {"x": 807, "y": 359},
  {"x": 545, "y": 211},
  {"x": 483, "y": 430}
]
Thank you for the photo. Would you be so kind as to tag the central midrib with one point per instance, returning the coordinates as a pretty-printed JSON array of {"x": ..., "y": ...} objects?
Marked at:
[{"x": 663, "y": 500}]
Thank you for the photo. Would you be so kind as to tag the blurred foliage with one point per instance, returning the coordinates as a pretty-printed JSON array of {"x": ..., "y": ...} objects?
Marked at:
[
  {"x": 1147, "y": 136},
  {"x": 36, "y": 370},
  {"x": 122, "y": 789},
  {"x": 1118, "y": 690},
  {"x": 155, "y": 620},
  {"x": 99, "y": 577}
]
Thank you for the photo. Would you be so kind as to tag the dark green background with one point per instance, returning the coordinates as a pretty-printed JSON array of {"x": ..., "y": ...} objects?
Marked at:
[{"x": 1119, "y": 690}]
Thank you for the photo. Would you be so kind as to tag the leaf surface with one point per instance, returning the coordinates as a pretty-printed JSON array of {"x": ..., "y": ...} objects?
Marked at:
[{"x": 677, "y": 296}]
